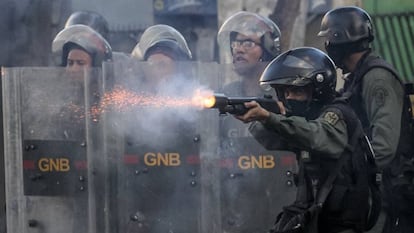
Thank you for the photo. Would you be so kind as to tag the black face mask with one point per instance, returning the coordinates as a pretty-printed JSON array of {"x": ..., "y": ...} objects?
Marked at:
[
  {"x": 297, "y": 107},
  {"x": 337, "y": 53}
]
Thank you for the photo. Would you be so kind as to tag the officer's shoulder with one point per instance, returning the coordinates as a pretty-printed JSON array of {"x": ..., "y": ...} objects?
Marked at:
[
  {"x": 335, "y": 112},
  {"x": 379, "y": 73}
]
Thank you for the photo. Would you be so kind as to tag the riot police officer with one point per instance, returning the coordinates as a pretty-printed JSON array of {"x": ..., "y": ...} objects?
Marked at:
[
  {"x": 319, "y": 131},
  {"x": 164, "y": 49},
  {"x": 248, "y": 42},
  {"x": 251, "y": 41},
  {"x": 376, "y": 94},
  {"x": 80, "y": 46},
  {"x": 98, "y": 23}
]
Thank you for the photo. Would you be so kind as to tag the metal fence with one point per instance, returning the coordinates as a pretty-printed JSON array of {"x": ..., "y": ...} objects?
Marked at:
[{"x": 394, "y": 41}]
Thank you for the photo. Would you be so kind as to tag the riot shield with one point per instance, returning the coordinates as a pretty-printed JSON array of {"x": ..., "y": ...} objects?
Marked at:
[
  {"x": 45, "y": 150},
  {"x": 152, "y": 137},
  {"x": 255, "y": 183}
]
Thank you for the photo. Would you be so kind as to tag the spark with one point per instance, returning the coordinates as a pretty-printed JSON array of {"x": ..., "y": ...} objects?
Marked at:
[{"x": 123, "y": 100}]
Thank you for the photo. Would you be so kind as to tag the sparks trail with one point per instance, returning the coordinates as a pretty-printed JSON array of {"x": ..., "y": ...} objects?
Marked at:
[
  {"x": 122, "y": 100},
  {"x": 72, "y": 112}
]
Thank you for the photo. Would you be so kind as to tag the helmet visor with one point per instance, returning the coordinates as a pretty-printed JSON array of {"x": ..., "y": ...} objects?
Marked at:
[
  {"x": 291, "y": 71},
  {"x": 85, "y": 37},
  {"x": 246, "y": 23},
  {"x": 160, "y": 33},
  {"x": 81, "y": 35}
]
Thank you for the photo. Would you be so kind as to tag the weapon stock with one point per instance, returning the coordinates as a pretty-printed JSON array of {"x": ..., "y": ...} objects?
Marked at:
[{"x": 235, "y": 105}]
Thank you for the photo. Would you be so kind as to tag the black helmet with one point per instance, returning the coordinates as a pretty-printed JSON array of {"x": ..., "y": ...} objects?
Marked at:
[
  {"x": 347, "y": 30},
  {"x": 346, "y": 25},
  {"x": 86, "y": 38},
  {"x": 248, "y": 23},
  {"x": 163, "y": 38},
  {"x": 89, "y": 18},
  {"x": 301, "y": 67}
]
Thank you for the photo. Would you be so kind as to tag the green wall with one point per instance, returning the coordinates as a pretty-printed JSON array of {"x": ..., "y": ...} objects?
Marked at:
[
  {"x": 394, "y": 33},
  {"x": 388, "y": 6}
]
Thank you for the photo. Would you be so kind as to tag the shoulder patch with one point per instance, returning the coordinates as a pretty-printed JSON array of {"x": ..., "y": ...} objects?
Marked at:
[
  {"x": 331, "y": 117},
  {"x": 380, "y": 94}
]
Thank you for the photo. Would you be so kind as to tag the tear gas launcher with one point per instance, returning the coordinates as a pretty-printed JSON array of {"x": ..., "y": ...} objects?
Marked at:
[{"x": 235, "y": 105}]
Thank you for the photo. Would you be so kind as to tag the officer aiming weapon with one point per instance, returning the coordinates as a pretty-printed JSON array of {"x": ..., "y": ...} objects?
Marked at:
[{"x": 235, "y": 105}]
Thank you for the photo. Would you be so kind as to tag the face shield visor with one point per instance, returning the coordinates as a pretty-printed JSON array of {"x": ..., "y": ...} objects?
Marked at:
[
  {"x": 250, "y": 25},
  {"x": 165, "y": 35},
  {"x": 85, "y": 37}
]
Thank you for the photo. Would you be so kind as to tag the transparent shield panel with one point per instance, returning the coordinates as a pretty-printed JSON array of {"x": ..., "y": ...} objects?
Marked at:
[
  {"x": 45, "y": 150},
  {"x": 255, "y": 183},
  {"x": 150, "y": 122}
]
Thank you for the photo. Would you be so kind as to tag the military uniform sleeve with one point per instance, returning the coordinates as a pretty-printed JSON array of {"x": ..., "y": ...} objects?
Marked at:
[
  {"x": 268, "y": 138},
  {"x": 382, "y": 96},
  {"x": 326, "y": 135}
]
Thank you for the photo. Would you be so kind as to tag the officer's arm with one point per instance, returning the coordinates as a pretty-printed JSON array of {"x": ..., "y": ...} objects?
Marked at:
[
  {"x": 268, "y": 138},
  {"x": 382, "y": 96},
  {"x": 327, "y": 134}
]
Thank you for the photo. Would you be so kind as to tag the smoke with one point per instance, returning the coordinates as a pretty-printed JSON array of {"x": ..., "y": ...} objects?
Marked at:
[{"x": 152, "y": 107}]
